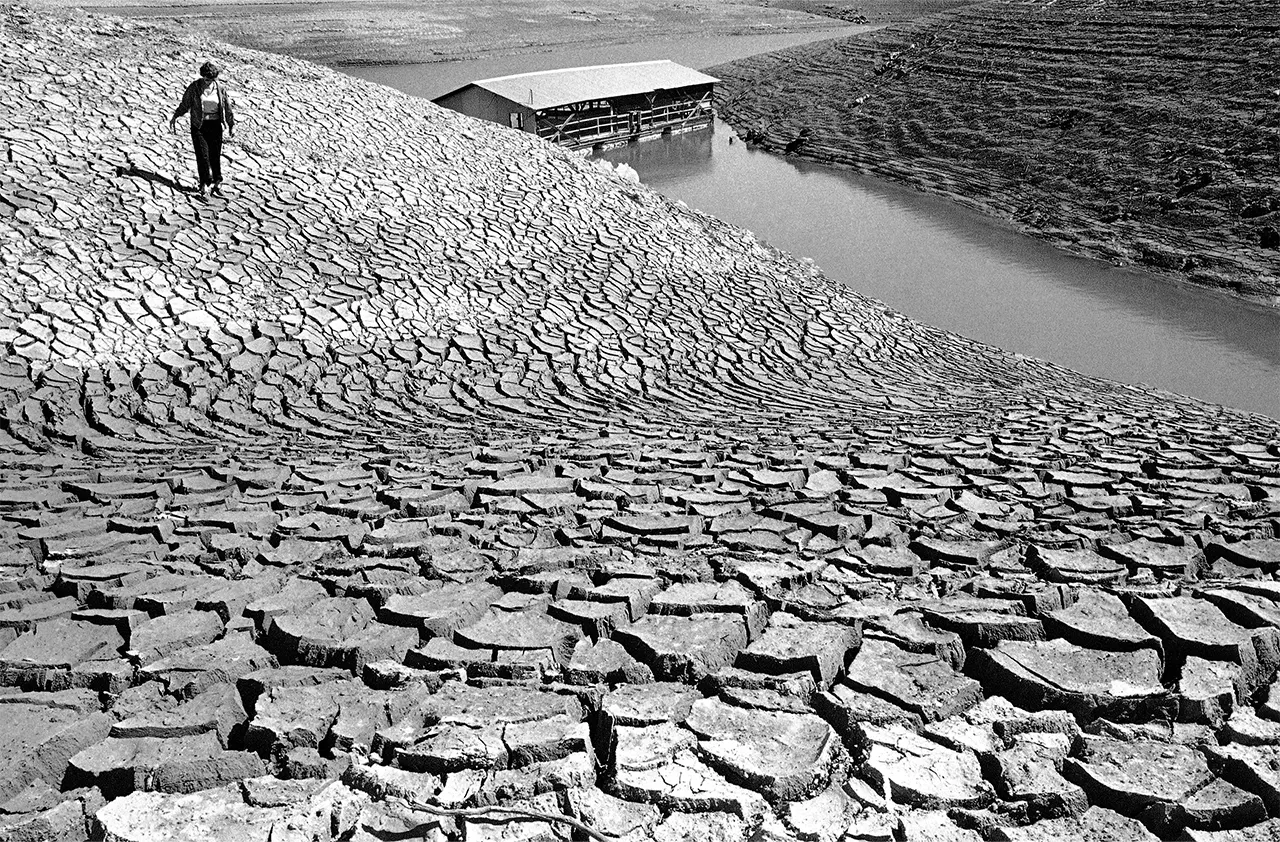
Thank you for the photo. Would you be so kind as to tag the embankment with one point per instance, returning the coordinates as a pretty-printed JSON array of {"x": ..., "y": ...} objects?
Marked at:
[{"x": 436, "y": 464}]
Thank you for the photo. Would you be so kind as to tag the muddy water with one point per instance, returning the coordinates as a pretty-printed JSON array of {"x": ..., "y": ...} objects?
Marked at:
[
  {"x": 961, "y": 271},
  {"x": 930, "y": 259}
]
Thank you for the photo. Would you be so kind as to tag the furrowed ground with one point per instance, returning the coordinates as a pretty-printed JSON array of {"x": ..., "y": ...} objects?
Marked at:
[
  {"x": 436, "y": 465},
  {"x": 1138, "y": 131}
]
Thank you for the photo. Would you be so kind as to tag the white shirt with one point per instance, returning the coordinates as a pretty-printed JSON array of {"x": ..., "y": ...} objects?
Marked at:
[{"x": 210, "y": 100}]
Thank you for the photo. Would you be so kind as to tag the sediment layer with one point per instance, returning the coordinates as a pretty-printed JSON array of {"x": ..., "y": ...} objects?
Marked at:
[
  {"x": 1143, "y": 133},
  {"x": 436, "y": 464}
]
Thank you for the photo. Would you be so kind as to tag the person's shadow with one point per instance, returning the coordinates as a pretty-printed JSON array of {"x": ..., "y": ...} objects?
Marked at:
[{"x": 132, "y": 171}]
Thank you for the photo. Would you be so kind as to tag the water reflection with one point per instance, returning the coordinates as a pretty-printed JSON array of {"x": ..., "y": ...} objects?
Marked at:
[{"x": 961, "y": 271}]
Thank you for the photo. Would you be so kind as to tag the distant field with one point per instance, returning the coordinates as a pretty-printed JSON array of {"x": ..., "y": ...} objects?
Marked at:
[
  {"x": 386, "y": 31},
  {"x": 871, "y": 11},
  {"x": 1139, "y": 131}
]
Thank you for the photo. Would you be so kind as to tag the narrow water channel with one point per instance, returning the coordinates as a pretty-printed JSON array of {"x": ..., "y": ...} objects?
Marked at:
[{"x": 929, "y": 258}]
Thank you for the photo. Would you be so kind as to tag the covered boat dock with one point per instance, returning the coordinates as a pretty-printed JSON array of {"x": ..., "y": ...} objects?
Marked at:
[{"x": 593, "y": 107}]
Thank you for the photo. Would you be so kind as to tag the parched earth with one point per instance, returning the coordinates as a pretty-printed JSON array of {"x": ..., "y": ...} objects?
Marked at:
[
  {"x": 437, "y": 466},
  {"x": 1143, "y": 132},
  {"x": 411, "y": 31}
]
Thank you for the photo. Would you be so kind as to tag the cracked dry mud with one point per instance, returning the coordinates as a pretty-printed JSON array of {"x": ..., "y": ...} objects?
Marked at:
[{"x": 436, "y": 463}]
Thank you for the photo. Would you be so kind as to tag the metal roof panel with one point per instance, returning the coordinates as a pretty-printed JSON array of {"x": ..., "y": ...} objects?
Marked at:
[{"x": 551, "y": 88}]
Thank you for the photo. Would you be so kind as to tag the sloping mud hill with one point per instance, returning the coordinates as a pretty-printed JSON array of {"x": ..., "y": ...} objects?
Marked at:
[
  {"x": 1140, "y": 131},
  {"x": 438, "y": 466}
]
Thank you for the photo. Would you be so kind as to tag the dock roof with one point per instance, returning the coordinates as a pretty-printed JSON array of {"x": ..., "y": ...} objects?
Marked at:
[{"x": 551, "y": 88}]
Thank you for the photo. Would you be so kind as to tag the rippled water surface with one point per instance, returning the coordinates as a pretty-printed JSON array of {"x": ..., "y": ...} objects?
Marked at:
[{"x": 928, "y": 258}]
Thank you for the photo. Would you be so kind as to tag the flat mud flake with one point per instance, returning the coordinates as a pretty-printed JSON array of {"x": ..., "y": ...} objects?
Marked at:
[
  {"x": 847, "y": 708},
  {"x": 218, "y": 710},
  {"x": 634, "y": 592},
  {"x": 935, "y": 826},
  {"x": 57, "y": 645},
  {"x": 182, "y": 764},
  {"x": 598, "y": 620},
  {"x": 1030, "y": 771},
  {"x": 923, "y": 773},
  {"x": 515, "y": 485},
  {"x": 1098, "y": 824},
  {"x": 1086, "y": 682},
  {"x": 337, "y": 632},
  {"x": 295, "y": 596},
  {"x": 1221, "y": 804},
  {"x": 685, "y": 784},
  {"x": 685, "y": 648},
  {"x": 1246, "y": 609},
  {"x": 1100, "y": 620},
  {"x": 610, "y": 816},
  {"x": 985, "y": 628},
  {"x": 189, "y": 671},
  {"x": 636, "y": 749},
  {"x": 605, "y": 662},
  {"x": 1247, "y": 728},
  {"x": 219, "y": 813},
  {"x": 649, "y": 704},
  {"x": 37, "y": 742},
  {"x": 1142, "y": 778},
  {"x": 452, "y": 747},
  {"x": 1208, "y": 691},
  {"x": 521, "y": 630},
  {"x": 783, "y": 756},
  {"x": 689, "y": 598},
  {"x": 791, "y": 645},
  {"x": 959, "y": 553},
  {"x": 289, "y": 717},
  {"x": 1197, "y": 627},
  {"x": 917, "y": 682},
  {"x": 1252, "y": 768},
  {"x": 480, "y": 706},
  {"x": 170, "y": 633},
  {"x": 1261, "y": 553},
  {"x": 1076, "y": 566},
  {"x": 25, "y": 618},
  {"x": 544, "y": 740},
  {"x": 909, "y": 632},
  {"x": 826, "y": 815},
  {"x": 1167, "y": 559},
  {"x": 441, "y": 611},
  {"x": 63, "y": 822}
]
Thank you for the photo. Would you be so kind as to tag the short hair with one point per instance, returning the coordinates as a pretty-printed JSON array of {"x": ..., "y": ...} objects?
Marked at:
[{"x": 209, "y": 70}]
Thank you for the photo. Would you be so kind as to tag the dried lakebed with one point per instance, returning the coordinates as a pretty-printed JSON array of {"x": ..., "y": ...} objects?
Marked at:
[
  {"x": 437, "y": 464},
  {"x": 1142, "y": 132}
]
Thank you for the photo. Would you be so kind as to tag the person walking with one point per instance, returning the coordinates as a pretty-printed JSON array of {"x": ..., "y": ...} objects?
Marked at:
[{"x": 209, "y": 104}]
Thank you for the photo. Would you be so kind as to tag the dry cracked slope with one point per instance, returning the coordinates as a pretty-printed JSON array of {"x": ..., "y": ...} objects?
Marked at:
[
  {"x": 438, "y": 464},
  {"x": 1139, "y": 131}
]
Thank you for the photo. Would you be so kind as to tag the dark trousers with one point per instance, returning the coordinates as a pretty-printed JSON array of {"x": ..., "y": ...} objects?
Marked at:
[{"x": 208, "y": 143}]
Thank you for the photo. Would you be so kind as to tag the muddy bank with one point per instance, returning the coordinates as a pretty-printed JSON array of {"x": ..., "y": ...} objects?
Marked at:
[
  {"x": 398, "y": 32},
  {"x": 435, "y": 465},
  {"x": 875, "y": 12},
  {"x": 1140, "y": 133}
]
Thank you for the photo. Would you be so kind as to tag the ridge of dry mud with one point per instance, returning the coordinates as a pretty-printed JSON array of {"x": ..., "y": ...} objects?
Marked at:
[
  {"x": 437, "y": 463},
  {"x": 1145, "y": 133}
]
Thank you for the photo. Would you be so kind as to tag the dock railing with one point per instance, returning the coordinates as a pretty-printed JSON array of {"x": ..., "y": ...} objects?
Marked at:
[{"x": 572, "y": 130}]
